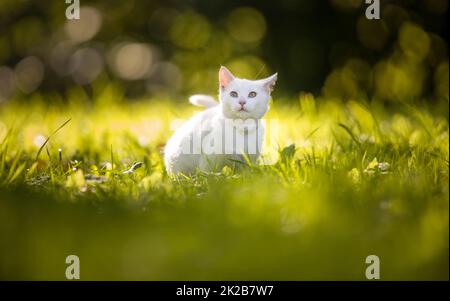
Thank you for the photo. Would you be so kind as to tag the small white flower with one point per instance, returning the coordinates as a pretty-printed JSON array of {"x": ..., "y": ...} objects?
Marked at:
[
  {"x": 39, "y": 140},
  {"x": 375, "y": 166},
  {"x": 384, "y": 166}
]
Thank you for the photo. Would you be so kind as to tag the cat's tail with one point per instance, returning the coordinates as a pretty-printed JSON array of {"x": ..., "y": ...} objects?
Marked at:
[{"x": 203, "y": 101}]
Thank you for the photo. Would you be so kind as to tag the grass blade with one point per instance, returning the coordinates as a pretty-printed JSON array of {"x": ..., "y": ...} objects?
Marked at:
[{"x": 51, "y": 135}]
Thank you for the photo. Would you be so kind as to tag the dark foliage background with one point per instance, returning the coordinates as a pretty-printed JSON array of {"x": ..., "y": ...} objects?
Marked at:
[{"x": 177, "y": 46}]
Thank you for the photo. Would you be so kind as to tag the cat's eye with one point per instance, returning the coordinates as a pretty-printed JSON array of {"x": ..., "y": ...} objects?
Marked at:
[
  {"x": 252, "y": 94},
  {"x": 233, "y": 94}
]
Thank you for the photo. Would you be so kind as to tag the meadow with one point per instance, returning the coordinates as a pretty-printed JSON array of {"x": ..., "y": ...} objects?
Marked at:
[{"x": 343, "y": 180}]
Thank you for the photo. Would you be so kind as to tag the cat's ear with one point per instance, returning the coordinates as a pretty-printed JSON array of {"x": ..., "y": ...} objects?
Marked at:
[
  {"x": 225, "y": 77},
  {"x": 269, "y": 82}
]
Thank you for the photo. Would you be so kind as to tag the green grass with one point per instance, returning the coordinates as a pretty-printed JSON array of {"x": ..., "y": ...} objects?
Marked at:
[{"x": 326, "y": 201}]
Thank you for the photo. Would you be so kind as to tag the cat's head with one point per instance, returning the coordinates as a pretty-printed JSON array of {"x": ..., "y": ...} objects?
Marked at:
[{"x": 243, "y": 98}]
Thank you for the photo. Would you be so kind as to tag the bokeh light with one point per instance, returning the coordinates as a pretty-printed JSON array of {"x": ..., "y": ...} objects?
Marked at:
[
  {"x": 131, "y": 61},
  {"x": 60, "y": 57},
  {"x": 29, "y": 74},
  {"x": 246, "y": 24},
  {"x": 414, "y": 42},
  {"x": 86, "y": 65},
  {"x": 164, "y": 76},
  {"x": 86, "y": 27},
  {"x": 398, "y": 81},
  {"x": 190, "y": 30}
]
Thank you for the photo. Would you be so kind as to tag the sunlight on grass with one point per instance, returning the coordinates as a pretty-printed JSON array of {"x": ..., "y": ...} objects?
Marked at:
[{"x": 346, "y": 180}]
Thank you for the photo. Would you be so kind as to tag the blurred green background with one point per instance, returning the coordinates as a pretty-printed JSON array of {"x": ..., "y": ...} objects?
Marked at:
[{"x": 175, "y": 47}]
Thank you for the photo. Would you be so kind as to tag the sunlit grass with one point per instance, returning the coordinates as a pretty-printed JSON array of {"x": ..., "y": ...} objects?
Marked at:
[{"x": 345, "y": 180}]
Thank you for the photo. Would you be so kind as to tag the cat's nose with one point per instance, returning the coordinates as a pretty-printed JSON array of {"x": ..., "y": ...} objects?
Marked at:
[{"x": 242, "y": 102}]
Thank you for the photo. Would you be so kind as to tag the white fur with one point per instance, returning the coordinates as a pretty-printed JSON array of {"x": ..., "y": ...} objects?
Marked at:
[
  {"x": 203, "y": 101},
  {"x": 207, "y": 123}
]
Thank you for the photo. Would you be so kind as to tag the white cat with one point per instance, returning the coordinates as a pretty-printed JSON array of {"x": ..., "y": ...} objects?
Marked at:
[{"x": 225, "y": 132}]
